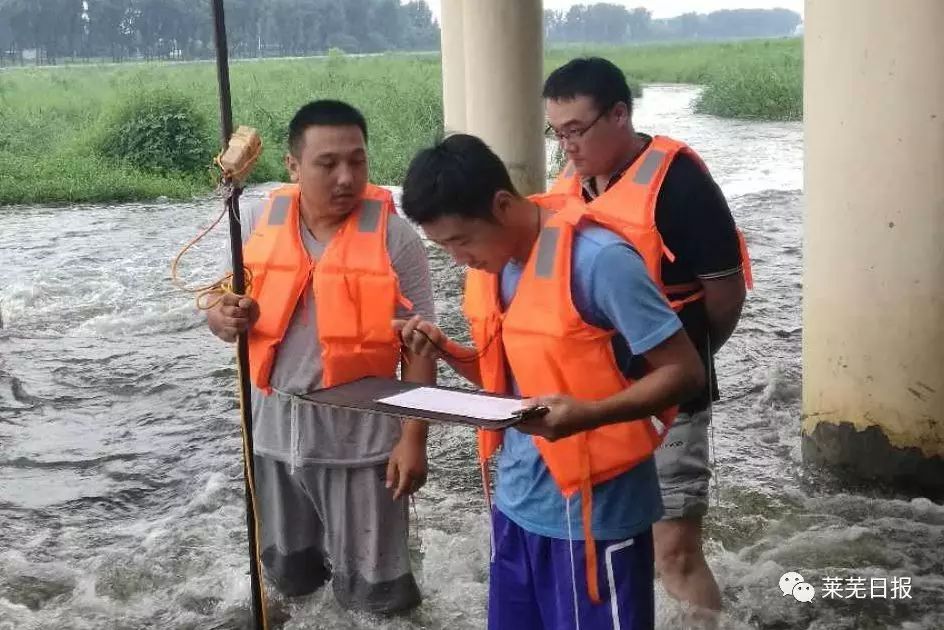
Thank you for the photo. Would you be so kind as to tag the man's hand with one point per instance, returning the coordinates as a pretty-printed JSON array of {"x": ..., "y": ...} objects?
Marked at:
[
  {"x": 407, "y": 468},
  {"x": 424, "y": 339},
  {"x": 421, "y": 337},
  {"x": 234, "y": 314},
  {"x": 565, "y": 417}
]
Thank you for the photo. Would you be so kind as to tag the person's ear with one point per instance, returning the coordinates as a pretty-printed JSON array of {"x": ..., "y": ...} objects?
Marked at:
[
  {"x": 502, "y": 204},
  {"x": 292, "y": 166},
  {"x": 620, "y": 113}
]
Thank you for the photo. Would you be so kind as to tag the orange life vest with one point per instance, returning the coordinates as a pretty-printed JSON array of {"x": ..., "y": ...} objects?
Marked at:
[
  {"x": 631, "y": 203},
  {"x": 550, "y": 349},
  {"x": 355, "y": 285}
]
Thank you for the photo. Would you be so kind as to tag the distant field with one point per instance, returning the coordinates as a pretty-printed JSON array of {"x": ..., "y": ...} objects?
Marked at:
[
  {"x": 752, "y": 79},
  {"x": 139, "y": 131}
]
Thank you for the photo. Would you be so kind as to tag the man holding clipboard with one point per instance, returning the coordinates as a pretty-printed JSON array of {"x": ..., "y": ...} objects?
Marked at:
[{"x": 558, "y": 303}]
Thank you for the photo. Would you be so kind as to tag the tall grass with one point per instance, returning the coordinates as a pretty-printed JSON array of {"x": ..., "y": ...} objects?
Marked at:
[
  {"x": 753, "y": 79},
  {"x": 760, "y": 88},
  {"x": 53, "y": 121}
]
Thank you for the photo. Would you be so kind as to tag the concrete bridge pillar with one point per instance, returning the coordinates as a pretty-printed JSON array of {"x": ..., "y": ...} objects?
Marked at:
[
  {"x": 500, "y": 97},
  {"x": 873, "y": 285}
]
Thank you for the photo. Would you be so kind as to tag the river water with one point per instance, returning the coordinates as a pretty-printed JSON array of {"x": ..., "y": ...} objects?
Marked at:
[{"x": 120, "y": 483}]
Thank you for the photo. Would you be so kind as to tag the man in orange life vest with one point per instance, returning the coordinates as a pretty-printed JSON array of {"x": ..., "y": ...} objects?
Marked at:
[
  {"x": 331, "y": 263},
  {"x": 660, "y": 181},
  {"x": 558, "y": 302}
]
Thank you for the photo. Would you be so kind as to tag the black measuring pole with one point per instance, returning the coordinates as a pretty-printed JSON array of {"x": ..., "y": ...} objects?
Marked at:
[{"x": 239, "y": 287}]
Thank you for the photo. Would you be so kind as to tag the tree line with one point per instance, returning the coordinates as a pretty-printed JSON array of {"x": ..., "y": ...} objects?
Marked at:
[
  {"x": 610, "y": 23},
  {"x": 52, "y": 31}
]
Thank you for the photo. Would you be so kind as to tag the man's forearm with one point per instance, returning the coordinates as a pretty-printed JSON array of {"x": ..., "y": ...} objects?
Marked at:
[
  {"x": 423, "y": 371},
  {"x": 724, "y": 299},
  {"x": 415, "y": 431},
  {"x": 721, "y": 329},
  {"x": 657, "y": 391},
  {"x": 416, "y": 369},
  {"x": 464, "y": 361},
  {"x": 722, "y": 321}
]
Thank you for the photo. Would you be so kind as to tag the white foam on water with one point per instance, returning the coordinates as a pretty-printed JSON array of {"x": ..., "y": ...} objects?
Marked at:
[
  {"x": 452, "y": 550},
  {"x": 155, "y": 536},
  {"x": 19, "y": 299},
  {"x": 141, "y": 320}
]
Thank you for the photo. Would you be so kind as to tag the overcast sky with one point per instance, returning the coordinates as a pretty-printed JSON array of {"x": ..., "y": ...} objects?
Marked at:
[{"x": 671, "y": 8}]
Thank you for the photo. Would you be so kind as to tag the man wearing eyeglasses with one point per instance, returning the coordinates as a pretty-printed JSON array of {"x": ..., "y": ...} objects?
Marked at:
[{"x": 660, "y": 186}]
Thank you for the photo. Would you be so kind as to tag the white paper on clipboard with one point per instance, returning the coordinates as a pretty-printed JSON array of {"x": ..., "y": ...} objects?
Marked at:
[{"x": 467, "y": 404}]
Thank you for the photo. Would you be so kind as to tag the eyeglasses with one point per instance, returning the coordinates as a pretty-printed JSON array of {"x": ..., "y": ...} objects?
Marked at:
[{"x": 574, "y": 133}]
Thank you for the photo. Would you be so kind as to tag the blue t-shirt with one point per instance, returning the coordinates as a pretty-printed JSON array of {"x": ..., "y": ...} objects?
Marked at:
[{"x": 611, "y": 290}]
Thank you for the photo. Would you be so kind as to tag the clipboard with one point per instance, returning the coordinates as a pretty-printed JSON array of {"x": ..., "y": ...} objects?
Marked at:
[{"x": 366, "y": 393}]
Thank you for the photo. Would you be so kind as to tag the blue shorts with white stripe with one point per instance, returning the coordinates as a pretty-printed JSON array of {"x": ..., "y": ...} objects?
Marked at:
[{"x": 539, "y": 583}]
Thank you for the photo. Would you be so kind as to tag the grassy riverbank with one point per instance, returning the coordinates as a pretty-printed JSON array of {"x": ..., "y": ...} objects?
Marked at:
[
  {"x": 753, "y": 79},
  {"x": 139, "y": 131}
]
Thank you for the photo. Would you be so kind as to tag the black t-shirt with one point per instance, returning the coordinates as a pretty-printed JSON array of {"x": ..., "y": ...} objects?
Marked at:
[{"x": 697, "y": 227}]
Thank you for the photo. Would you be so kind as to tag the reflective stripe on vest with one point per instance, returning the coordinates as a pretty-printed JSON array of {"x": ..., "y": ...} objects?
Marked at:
[
  {"x": 651, "y": 161},
  {"x": 370, "y": 216},
  {"x": 628, "y": 207}
]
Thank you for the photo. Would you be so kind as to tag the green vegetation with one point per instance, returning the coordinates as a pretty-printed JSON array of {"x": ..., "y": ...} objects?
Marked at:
[
  {"x": 139, "y": 131},
  {"x": 760, "y": 90},
  {"x": 57, "y": 31},
  {"x": 754, "y": 79},
  {"x": 98, "y": 133},
  {"x": 159, "y": 130}
]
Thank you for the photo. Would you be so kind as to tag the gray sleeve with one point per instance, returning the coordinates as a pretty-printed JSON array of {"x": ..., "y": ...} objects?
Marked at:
[
  {"x": 250, "y": 210},
  {"x": 408, "y": 256}
]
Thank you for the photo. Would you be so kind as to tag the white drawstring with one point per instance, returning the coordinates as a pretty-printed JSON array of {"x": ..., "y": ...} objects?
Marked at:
[
  {"x": 293, "y": 456},
  {"x": 712, "y": 459},
  {"x": 573, "y": 566}
]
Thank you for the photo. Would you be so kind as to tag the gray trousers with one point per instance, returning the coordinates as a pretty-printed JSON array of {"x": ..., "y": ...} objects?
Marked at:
[
  {"x": 684, "y": 470},
  {"x": 320, "y": 523}
]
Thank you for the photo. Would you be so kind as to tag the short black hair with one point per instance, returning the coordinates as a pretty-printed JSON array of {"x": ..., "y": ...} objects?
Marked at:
[
  {"x": 595, "y": 77},
  {"x": 458, "y": 176},
  {"x": 326, "y": 113}
]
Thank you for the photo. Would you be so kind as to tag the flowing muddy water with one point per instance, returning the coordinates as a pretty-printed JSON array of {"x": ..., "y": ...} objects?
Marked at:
[{"x": 120, "y": 483}]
